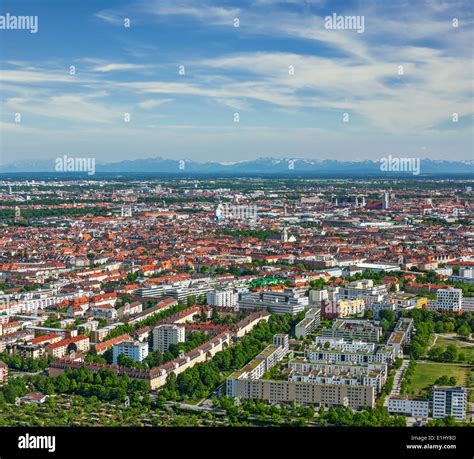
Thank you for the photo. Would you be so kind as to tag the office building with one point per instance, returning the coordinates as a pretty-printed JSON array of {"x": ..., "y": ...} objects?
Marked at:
[
  {"x": 449, "y": 300},
  {"x": 415, "y": 407}
]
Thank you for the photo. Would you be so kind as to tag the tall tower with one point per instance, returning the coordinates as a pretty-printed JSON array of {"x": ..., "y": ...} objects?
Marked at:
[
  {"x": 17, "y": 212},
  {"x": 386, "y": 200},
  {"x": 284, "y": 236}
]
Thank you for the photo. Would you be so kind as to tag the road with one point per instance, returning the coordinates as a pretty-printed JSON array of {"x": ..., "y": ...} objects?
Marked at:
[{"x": 397, "y": 381}]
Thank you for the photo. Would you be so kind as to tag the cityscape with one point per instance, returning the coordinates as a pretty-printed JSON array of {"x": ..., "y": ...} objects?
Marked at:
[
  {"x": 237, "y": 227},
  {"x": 243, "y": 301}
]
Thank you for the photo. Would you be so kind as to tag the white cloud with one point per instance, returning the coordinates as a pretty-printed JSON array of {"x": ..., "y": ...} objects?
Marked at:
[
  {"x": 117, "y": 67},
  {"x": 153, "y": 103}
]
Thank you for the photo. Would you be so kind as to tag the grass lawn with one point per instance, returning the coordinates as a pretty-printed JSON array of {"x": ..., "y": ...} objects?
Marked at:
[
  {"x": 462, "y": 346},
  {"x": 427, "y": 373}
]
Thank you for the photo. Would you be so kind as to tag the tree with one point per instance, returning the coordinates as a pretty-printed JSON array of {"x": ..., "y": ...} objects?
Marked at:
[
  {"x": 451, "y": 353},
  {"x": 436, "y": 353},
  {"x": 448, "y": 327},
  {"x": 387, "y": 314},
  {"x": 464, "y": 331}
]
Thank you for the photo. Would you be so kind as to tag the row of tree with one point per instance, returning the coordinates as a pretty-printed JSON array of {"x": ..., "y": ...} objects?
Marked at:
[
  {"x": 448, "y": 354},
  {"x": 334, "y": 416},
  {"x": 25, "y": 363}
]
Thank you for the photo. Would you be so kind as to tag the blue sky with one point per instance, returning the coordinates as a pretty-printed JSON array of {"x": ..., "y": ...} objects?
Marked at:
[{"x": 290, "y": 79}]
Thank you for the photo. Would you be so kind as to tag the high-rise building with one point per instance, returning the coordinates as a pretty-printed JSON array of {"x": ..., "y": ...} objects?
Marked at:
[
  {"x": 137, "y": 350},
  {"x": 167, "y": 334},
  {"x": 449, "y": 401},
  {"x": 222, "y": 298}
]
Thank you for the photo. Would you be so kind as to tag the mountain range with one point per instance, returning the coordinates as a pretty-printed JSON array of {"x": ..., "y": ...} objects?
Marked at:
[{"x": 265, "y": 165}]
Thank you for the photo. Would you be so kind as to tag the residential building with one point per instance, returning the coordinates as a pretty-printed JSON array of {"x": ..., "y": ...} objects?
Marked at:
[
  {"x": 166, "y": 334},
  {"x": 449, "y": 401},
  {"x": 332, "y": 309},
  {"x": 136, "y": 350},
  {"x": 309, "y": 323},
  {"x": 223, "y": 298},
  {"x": 415, "y": 407},
  {"x": 353, "y": 329},
  {"x": 3, "y": 372},
  {"x": 288, "y": 301},
  {"x": 66, "y": 346}
]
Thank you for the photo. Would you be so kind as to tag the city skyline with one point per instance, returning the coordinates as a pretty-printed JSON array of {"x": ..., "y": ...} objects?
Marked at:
[{"x": 390, "y": 85}]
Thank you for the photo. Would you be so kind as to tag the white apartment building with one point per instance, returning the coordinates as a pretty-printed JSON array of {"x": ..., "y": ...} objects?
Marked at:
[
  {"x": 449, "y": 300},
  {"x": 309, "y": 323},
  {"x": 316, "y": 296},
  {"x": 167, "y": 334},
  {"x": 363, "y": 289},
  {"x": 223, "y": 298},
  {"x": 449, "y": 401},
  {"x": 290, "y": 301},
  {"x": 380, "y": 354},
  {"x": 468, "y": 304},
  {"x": 137, "y": 350},
  {"x": 409, "y": 406},
  {"x": 467, "y": 272}
]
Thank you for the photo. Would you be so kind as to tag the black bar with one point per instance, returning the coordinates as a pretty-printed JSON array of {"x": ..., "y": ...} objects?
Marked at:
[{"x": 290, "y": 442}]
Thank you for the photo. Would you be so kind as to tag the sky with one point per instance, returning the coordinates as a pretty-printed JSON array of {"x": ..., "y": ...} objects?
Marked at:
[{"x": 236, "y": 80}]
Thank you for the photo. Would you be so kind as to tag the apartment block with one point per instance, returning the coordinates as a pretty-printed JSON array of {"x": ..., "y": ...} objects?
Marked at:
[
  {"x": 310, "y": 322},
  {"x": 66, "y": 346},
  {"x": 167, "y": 334},
  {"x": 355, "y": 397},
  {"x": 133, "y": 349},
  {"x": 222, "y": 298},
  {"x": 449, "y": 401},
  {"x": 288, "y": 301},
  {"x": 353, "y": 329}
]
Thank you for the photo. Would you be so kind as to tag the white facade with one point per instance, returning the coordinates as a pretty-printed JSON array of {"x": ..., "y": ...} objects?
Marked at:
[
  {"x": 449, "y": 300},
  {"x": 316, "y": 296},
  {"x": 167, "y": 334},
  {"x": 222, "y": 298},
  {"x": 449, "y": 401},
  {"x": 290, "y": 301},
  {"x": 468, "y": 304},
  {"x": 309, "y": 323},
  {"x": 408, "y": 406},
  {"x": 467, "y": 272},
  {"x": 134, "y": 349}
]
